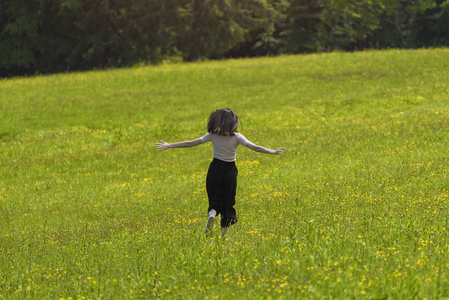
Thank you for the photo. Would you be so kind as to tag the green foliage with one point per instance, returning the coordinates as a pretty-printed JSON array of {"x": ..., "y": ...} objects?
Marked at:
[
  {"x": 19, "y": 33},
  {"x": 62, "y": 35},
  {"x": 398, "y": 17},
  {"x": 300, "y": 29},
  {"x": 349, "y": 25},
  {"x": 356, "y": 208},
  {"x": 211, "y": 28},
  {"x": 346, "y": 24},
  {"x": 432, "y": 28}
]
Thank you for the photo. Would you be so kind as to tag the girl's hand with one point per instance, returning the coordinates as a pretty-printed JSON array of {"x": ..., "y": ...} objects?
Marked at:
[
  {"x": 280, "y": 151},
  {"x": 162, "y": 145}
]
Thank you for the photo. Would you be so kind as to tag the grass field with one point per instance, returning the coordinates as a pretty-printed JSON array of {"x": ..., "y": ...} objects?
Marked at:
[{"x": 356, "y": 208}]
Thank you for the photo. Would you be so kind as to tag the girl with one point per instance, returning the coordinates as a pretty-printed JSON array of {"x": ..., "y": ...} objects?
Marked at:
[{"x": 221, "y": 181}]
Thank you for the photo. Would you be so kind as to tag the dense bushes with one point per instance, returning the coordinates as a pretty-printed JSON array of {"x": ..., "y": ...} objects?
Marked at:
[{"x": 62, "y": 35}]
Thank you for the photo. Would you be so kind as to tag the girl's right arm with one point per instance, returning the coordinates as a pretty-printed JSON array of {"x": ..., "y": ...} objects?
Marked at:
[
  {"x": 164, "y": 146},
  {"x": 257, "y": 148}
]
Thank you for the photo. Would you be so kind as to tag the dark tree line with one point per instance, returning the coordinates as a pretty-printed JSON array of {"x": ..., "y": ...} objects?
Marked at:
[{"x": 48, "y": 36}]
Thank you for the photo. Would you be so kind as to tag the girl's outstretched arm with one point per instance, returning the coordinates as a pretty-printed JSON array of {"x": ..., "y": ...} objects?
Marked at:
[
  {"x": 164, "y": 146},
  {"x": 257, "y": 148}
]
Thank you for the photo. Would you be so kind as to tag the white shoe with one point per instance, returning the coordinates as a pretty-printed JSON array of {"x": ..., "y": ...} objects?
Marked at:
[{"x": 210, "y": 223}]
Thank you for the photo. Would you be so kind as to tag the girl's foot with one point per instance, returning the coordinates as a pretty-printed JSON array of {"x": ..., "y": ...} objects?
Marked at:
[
  {"x": 224, "y": 231},
  {"x": 210, "y": 223}
]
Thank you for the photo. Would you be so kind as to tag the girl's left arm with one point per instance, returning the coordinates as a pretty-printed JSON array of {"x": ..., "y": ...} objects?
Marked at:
[
  {"x": 164, "y": 146},
  {"x": 257, "y": 148}
]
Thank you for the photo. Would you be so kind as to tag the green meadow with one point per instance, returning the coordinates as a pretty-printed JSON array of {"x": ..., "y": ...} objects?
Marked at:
[{"x": 357, "y": 208}]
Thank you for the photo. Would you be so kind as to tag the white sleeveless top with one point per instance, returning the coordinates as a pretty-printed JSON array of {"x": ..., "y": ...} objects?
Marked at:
[{"x": 225, "y": 147}]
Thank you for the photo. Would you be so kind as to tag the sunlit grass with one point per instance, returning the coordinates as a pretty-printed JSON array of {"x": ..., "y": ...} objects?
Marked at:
[{"x": 356, "y": 207}]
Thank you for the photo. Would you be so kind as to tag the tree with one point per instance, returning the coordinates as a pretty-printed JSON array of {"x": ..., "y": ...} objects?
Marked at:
[
  {"x": 110, "y": 33},
  {"x": 34, "y": 35},
  {"x": 431, "y": 28},
  {"x": 352, "y": 24},
  {"x": 317, "y": 25},
  {"x": 299, "y": 31},
  {"x": 19, "y": 38},
  {"x": 58, "y": 35},
  {"x": 397, "y": 20},
  {"x": 209, "y": 28}
]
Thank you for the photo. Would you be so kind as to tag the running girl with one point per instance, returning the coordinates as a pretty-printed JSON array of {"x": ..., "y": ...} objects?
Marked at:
[{"x": 221, "y": 181}]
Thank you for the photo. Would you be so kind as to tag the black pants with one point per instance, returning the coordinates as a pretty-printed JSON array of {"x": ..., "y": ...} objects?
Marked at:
[{"x": 221, "y": 185}]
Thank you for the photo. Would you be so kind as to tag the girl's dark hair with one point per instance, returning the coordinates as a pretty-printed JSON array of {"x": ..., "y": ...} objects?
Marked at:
[{"x": 223, "y": 122}]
